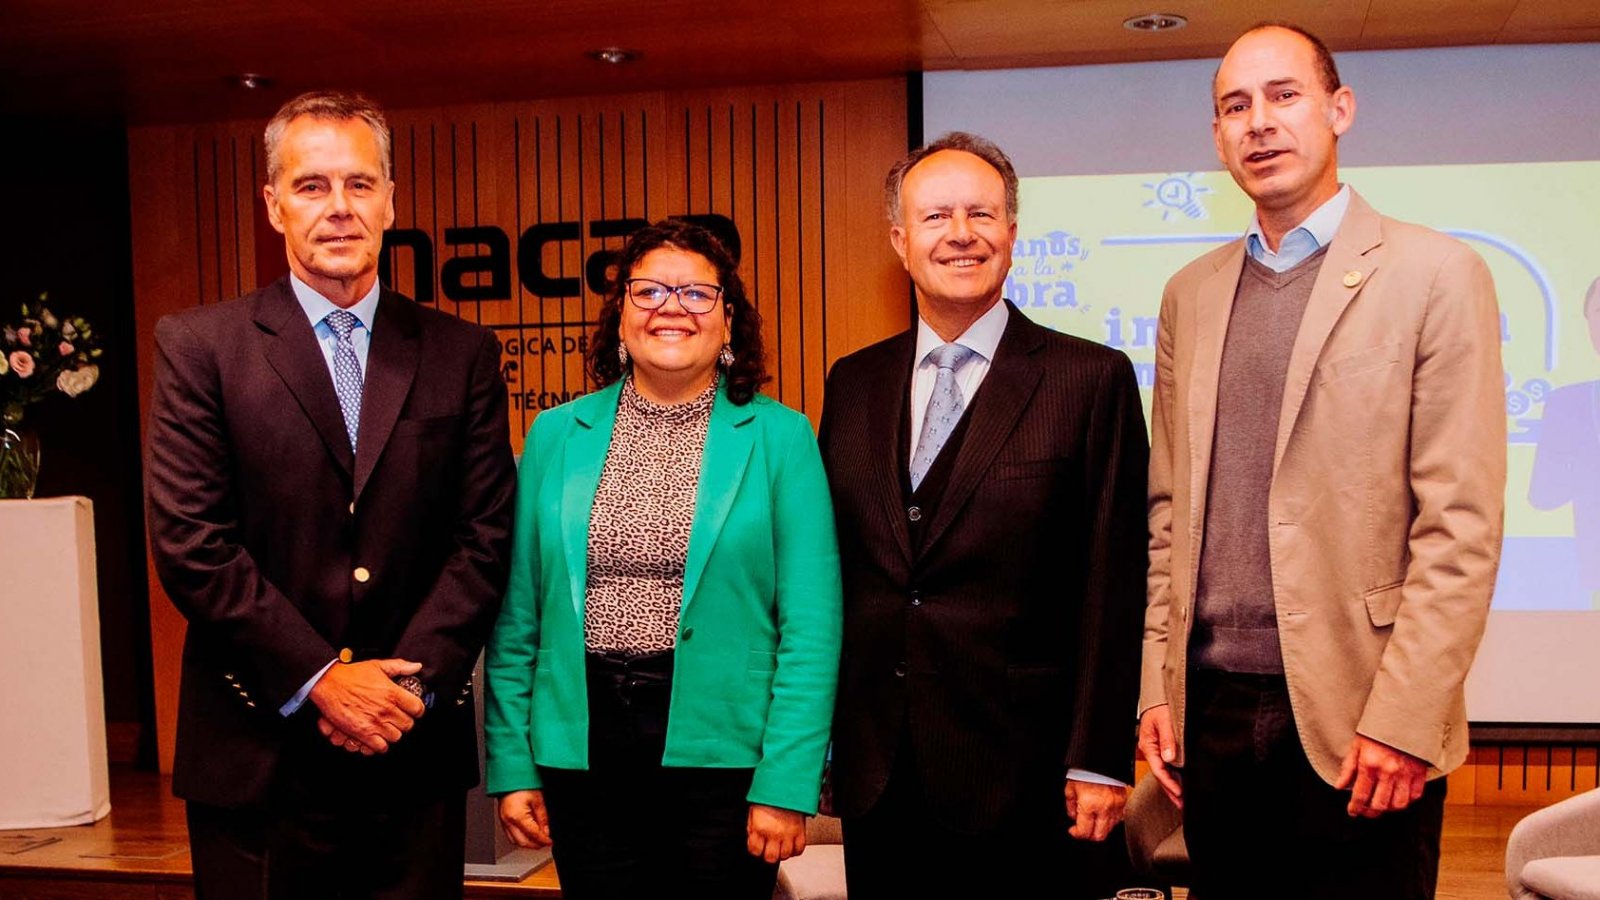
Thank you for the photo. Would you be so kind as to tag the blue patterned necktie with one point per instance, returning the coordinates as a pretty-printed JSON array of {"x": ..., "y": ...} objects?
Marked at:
[
  {"x": 346, "y": 370},
  {"x": 944, "y": 408}
]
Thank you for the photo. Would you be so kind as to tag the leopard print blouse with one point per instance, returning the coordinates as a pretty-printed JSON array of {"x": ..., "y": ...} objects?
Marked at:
[{"x": 639, "y": 527}]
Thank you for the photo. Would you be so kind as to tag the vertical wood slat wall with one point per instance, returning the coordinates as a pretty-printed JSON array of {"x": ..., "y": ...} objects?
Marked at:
[{"x": 798, "y": 170}]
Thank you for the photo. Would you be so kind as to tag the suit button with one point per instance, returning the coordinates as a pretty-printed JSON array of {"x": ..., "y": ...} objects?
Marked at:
[
  {"x": 688, "y": 632},
  {"x": 914, "y": 514},
  {"x": 250, "y": 703},
  {"x": 900, "y": 671},
  {"x": 361, "y": 574},
  {"x": 916, "y": 598},
  {"x": 352, "y": 507}
]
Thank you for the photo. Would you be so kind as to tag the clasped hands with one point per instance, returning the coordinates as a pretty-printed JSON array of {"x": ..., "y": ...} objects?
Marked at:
[{"x": 362, "y": 709}]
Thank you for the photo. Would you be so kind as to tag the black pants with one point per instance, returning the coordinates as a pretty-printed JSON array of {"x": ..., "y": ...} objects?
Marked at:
[
  {"x": 332, "y": 850},
  {"x": 1254, "y": 809},
  {"x": 631, "y": 827},
  {"x": 902, "y": 848}
]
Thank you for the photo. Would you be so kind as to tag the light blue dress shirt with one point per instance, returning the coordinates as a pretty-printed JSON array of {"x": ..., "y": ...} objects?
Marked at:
[
  {"x": 316, "y": 308},
  {"x": 1310, "y": 236}
]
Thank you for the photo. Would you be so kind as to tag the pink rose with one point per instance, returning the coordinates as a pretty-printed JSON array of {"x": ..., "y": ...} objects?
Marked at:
[
  {"x": 65, "y": 349},
  {"x": 22, "y": 363},
  {"x": 23, "y": 336}
]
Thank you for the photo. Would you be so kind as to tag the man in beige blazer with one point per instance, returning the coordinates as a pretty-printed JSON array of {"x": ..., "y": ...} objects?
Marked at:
[{"x": 1326, "y": 498}]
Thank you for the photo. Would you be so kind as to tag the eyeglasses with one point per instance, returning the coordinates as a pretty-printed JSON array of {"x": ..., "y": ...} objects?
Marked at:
[{"x": 694, "y": 297}]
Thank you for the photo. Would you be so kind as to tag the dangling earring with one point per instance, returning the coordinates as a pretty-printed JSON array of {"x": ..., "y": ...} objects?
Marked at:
[
  {"x": 726, "y": 357},
  {"x": 622, "y": 354}
]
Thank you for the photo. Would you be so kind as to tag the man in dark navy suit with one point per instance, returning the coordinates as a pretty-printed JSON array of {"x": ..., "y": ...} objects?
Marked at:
[
  {"x": 989, "y": 482},
  {"x": 330, "y": 489}
]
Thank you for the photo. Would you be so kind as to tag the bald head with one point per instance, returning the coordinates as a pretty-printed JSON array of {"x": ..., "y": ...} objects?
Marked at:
[{"x": 1327, "y": 70}]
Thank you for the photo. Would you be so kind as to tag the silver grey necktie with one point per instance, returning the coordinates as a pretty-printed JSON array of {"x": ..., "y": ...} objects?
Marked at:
[
  {"x": 944, "y": 408},
  {"x": 346, "y": 370}
]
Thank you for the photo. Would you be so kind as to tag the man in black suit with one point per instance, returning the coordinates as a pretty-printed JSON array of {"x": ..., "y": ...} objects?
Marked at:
[
  {"x": 989, "y": 481},
  {"x": 330, "y": 490}
]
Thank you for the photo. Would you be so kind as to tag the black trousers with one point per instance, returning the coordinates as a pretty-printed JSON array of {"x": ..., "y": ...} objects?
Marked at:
[
  {"x": 1254, "y": 809},
  {"x": 902, "y": 848},
  {"x": 630, "y": 827},
  {"x": 311, "y": 850}
]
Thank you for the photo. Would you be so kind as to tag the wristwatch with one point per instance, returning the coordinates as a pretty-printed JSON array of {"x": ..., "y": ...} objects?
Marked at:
[{"x": 414, "y": 684}]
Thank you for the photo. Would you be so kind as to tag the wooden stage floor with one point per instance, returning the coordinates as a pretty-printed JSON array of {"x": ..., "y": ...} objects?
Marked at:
[{"x": 141, "y": 852}]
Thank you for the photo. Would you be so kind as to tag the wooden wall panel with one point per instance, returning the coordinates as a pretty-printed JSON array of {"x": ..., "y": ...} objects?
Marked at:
[
  {"x": 797, "y": 170},
  {"x": 1533, "y": 774}
]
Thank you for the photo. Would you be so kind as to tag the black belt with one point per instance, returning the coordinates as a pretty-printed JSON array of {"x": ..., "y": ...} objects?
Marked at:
[{"x": 626, "y": 676}]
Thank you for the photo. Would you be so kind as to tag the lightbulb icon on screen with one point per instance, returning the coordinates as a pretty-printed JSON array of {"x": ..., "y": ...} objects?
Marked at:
[{"x": 1178, "y": 194}]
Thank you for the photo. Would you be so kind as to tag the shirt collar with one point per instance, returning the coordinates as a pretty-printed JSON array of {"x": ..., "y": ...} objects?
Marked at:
[
  {"x": 1320, "y": 226},
  {"x": 982, "y": 336},
  {"x": 317, "y": 307}
]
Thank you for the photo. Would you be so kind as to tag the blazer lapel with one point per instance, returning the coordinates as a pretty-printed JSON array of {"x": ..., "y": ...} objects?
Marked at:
[
  {"x": 391, "y": 366},
  {"x": 1213, "y": 309},
  {"x": 290, "y": 347},
  {"x": 583, "y": 459},
  {"x": 1011, "y": 381},
  {"x": 722, "y": 467},
  {"x": 890, "y": 394},
  {"x": 1345, "y": 271}
]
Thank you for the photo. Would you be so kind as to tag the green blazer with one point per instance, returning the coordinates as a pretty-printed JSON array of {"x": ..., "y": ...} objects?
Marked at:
[{"x": 757, "y": 660}]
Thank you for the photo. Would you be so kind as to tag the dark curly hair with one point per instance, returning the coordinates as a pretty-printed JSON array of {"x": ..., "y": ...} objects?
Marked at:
[{"x": 749, "y": 370}]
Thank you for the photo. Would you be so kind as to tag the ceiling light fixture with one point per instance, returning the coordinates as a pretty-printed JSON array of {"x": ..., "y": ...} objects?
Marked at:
[
  {"x": 1155, "y": 22},
  {"x": 252, "y": 81},
  {"x": 616, "y": 56}
]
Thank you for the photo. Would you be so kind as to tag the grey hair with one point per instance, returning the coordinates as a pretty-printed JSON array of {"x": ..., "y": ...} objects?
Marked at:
[
  {"x": 981, "y": 147},
  {"x": 337, "y": 106}
]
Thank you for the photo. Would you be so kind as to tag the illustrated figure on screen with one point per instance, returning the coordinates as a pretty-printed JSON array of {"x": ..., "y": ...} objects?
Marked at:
[
  {"x": 1566, "y": 466},
  {"x": 330, "y": 488},
  {"x": 989, "y": 484},
  {"x": 1327, "y": 488}
]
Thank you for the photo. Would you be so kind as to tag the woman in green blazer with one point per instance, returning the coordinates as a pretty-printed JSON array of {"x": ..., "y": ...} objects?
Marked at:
[{"x": 661, "y": 678}]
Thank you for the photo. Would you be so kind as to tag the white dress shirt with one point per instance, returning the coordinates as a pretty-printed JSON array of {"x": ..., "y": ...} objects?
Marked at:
[{"x": 981, "y": 337}]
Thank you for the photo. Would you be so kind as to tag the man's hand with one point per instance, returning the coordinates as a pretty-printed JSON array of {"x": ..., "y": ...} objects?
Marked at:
[
  {"x": 363, "y": 706},
  {"x": 340, "y": 739},
  {"x": 1380, "y": 778},
  {"x": 1158, "y": 744},
  {"x": 524, "y": 819},
  {"x": 1095, "y": 809},
  {"x": 775, "y": 834}
]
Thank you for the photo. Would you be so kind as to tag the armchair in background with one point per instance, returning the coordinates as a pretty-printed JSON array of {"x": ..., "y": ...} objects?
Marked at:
[{"x": 1554, "y": 854}]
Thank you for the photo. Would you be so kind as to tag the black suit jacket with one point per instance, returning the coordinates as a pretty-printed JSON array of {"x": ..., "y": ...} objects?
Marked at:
[
  {"x": 1009, "y": 643},
  {"x": 260, "y": 516}
]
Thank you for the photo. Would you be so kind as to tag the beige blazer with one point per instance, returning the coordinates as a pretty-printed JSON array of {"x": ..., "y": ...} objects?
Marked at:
[{"x": 1387, "y": 494}]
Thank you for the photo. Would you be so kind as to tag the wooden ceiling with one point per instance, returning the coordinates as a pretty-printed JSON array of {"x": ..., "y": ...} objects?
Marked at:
[{"x": 171, "y": 60}]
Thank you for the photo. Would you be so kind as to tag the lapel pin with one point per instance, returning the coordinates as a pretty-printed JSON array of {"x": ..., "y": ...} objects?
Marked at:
[{"x": 1352, "y": 278}]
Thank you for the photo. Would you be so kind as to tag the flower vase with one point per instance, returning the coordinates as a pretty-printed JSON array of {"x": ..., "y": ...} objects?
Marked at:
[{"x": 19, "y": 458}]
